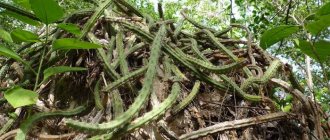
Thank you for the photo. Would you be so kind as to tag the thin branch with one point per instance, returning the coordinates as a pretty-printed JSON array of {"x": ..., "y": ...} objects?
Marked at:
[{"x": 235, "y": 124}]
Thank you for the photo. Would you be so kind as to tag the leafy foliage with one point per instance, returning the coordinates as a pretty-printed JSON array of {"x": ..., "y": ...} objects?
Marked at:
[
  {"x": 317, "y": 50},
  {"x": 319, "y": 25},
  {"x": 71, "y": 28},
  {"x": 21, "y": 18},
  {"x": 276, "y": 34},
  {"x": 71, "y": 43},
  {"x": 24, "y": 3},
  {"x": 60, "y": 69},
  {"x": 5, "y": 36},
  {"x": 11, "y": 54},
  {"x": 324, "y": 10},
  {"x": 48, "y": 11},
  {"x": 18, "y": 97},
  {"x": 20, "y": 35}
]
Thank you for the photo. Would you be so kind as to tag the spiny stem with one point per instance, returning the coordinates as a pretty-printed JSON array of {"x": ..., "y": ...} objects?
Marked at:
[
  {"x": 96, "y": 93},
  {"x": 270, "y": 73},
  {"x": 140, "y": 99},
  {"x": 188, "y": 99},
  {"x": 155, "y": 113},
  {"x": 26, "y": 124}
]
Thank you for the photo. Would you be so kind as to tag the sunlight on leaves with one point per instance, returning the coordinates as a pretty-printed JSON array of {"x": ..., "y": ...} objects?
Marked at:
[
  {"x": 274, "y": 35},
  {"x": 18, "y": 97},
  {"x": 322, "y": 49},
  {"x": 23, "y": 3},
  {"x": 324, "y": 10},
  {"x": 5, "y": 36},
  {"x": 48, "y": 11},
  {"x": 317, "y": 26}
]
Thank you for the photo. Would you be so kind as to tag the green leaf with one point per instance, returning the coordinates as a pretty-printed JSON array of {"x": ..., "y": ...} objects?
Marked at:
[
  {"x": 11, "y": 54},
  {"x": 287, "y": 108},
  {"x": 23, "y": 3},
  {"x": 317, "y": 26},
  {"x": 20, "y": 35},
  {"x": 48, "y": 11},
  {"x": 69, "y": 27},
  {"x": 322, "y": 49},
  {"x": 18, "y": 97},
  {"x": 21, "y": 18},
  {"x": 5, "y": 36},
  {"x": 310, "y": 17},
  {"x": 71, "y": 43},
  {"x": 60, "y": 69},
  {"x": 324, "y": 10},
  {"x": 276, "y": 34},
  {"x": 288, "y": 98}
]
